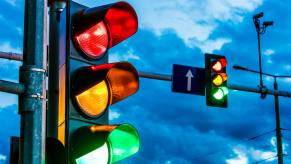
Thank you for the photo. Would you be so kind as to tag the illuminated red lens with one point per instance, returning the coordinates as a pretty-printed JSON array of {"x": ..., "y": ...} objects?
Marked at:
[
  {"x": 121, "y": 21},
  {"x": 94, "y": 41},
  {"x": 218, "y": 65}
]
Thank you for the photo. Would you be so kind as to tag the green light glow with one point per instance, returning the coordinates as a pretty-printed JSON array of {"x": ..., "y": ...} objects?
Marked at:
[
  {"x": 124, "y": 142},
  {"x": 99, "y": 156},
  {"x": 220, "y": 92}
]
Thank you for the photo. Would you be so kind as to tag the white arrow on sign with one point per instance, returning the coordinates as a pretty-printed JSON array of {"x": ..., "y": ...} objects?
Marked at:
[{"x": 189, "y": 75}]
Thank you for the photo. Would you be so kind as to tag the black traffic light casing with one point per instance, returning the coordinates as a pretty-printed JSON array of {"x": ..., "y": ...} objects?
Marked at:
[
  {"x": 80, "y": 71},
  {"x": 210, "y": 74}
]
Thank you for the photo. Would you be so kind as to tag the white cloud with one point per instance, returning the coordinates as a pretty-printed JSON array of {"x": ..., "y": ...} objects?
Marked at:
[
  {"x": 288, "y": 80},
  {"x": 2, "y": 157},
  {"x": 269, "y": 61},
  {"x": 269, "y": 52},
  {"x": 262, "y": 155},
  {"x": 11, "y": 2},
  {"x": 19, "y": 30},
  {"x": 116, "y": 57},
  {"x": 7, "y": 99},
  {"x": 241, "y": 158},
  {"x": 288, "y": 67},
  {"x": 245, "y": 153},
  {"x": 268, "y": 78},
  {"x": 6, "y": 47},
  {"x": 210, "y": 45},
  {"x": 191, "y": 20},
  {"x": 113, "y": 115}
]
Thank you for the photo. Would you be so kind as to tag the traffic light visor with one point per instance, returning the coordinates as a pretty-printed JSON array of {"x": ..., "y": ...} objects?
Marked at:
[
  {"x": 122, "y": 22},
  {"x": 123, "y": 141},
  {"x": 123, "y": 80}
]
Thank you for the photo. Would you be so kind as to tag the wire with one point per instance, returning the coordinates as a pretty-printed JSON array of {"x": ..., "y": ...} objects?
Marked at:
[
  {"x": 265, "y": 159},
  {"x": 285, "y": 129},
  {"x": 260, "y": 135}
]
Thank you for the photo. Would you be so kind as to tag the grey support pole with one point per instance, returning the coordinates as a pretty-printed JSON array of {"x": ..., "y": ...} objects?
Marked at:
[
  {"x": 32, "y": 103},
  {"x": 278, "y": 126}
]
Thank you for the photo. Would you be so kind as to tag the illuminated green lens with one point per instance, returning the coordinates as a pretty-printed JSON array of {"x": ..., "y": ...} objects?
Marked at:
[
  {"x": 219, "y": 93},
  {"x": 124, "y": 142},
  {"x": 99, "y": 156}
]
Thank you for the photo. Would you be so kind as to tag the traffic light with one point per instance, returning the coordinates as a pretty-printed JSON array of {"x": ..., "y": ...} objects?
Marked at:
[
  {"x": 92, "y": 84},
  {"x": 216, "y": 80}
]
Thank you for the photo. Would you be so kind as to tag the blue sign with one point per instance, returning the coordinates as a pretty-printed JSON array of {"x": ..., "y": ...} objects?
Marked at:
[{"x": 189, "y": 80}]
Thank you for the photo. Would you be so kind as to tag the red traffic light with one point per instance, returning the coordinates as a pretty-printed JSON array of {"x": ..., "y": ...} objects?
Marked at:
[
  {"x": 218, "y": 65},
  {"x": 97, "y": 29}
]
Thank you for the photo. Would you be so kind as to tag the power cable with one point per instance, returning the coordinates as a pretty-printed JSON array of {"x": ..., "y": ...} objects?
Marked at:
[{"x": 265, "y": 159}]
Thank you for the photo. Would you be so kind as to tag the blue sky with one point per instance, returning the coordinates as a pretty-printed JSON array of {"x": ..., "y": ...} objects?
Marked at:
[{"x": 178, "y": 128}]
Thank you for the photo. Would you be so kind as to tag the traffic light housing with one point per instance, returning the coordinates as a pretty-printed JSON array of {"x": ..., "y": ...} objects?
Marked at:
[
  {"x": 91, "y": 84},
  {"x": 216, "y": 80}
]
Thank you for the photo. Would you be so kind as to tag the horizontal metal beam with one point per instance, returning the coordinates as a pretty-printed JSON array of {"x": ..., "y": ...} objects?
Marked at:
[
  {"x": 257, "y": 90},
  {"x": 11, "y": 56},
  {"x": 230, "y": 86},
  {"x": 11, "y": 87},
  {"x": 155, "y": 76}
]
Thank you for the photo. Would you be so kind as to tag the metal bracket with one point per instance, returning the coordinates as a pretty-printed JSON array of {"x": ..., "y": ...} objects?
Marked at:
[
  {"x": 264, "y": 91},
  {"x": 37, "y": 96},
  {"x": 31, "y": 76}
]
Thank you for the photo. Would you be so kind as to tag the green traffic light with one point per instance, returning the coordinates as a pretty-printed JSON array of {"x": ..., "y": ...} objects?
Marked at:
[
  {"x": 219, "y": 93},
  {"x": 107, "y": 144}
]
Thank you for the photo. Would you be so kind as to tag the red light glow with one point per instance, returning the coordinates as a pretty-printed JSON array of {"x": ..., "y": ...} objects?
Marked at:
[
  {"x": 94, "y": 41},
  {"x": 218, "y": 65}
]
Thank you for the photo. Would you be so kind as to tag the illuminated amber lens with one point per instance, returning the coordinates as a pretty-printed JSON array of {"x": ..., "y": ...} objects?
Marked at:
[
  {"x": 219, "y": 79},
  {"x": 123, "y": 83},
  {"x": 94, "y": 100}
]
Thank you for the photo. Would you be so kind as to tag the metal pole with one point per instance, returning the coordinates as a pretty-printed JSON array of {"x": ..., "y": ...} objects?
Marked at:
[
  {"x": 278, "y": 127},
  {"x": 155, "y": 76},
  {"x": 11, "y": 56},
  {"x": 260, "y": 61},
  {"x": 11, "y": 87},
  {"x": 32, "y": 103},
  {"x": 53, "y": 69}
]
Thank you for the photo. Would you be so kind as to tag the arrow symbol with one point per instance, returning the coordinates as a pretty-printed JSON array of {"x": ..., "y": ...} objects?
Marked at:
[{"x": 189, "y": 76}]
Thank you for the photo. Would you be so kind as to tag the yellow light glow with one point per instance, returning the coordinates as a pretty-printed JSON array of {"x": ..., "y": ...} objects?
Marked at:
[
  {"x": 219, "y": 79},
  {"x": 94, "y": 100}
]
